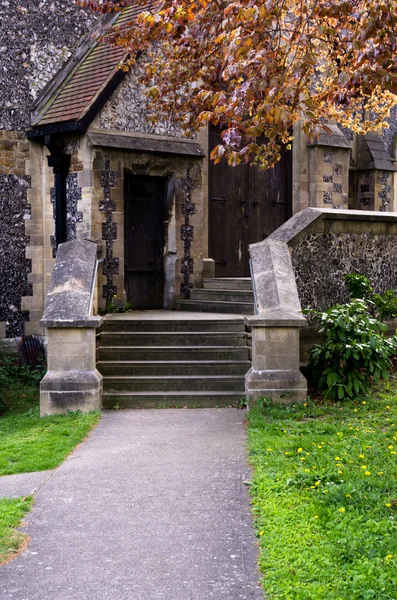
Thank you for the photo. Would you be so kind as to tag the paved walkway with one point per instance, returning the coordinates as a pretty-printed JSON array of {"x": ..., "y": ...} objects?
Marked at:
[{"x": 151, "y": 507}]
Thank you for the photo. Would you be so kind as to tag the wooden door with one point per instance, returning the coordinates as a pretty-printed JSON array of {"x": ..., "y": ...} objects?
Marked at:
[
  {"x": 245, "y": 206},
  {"x": 144, "y": 241}
]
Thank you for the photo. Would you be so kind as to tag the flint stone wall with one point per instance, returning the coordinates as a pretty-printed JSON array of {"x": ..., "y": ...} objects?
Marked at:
[{"x": 326, "y": 244}]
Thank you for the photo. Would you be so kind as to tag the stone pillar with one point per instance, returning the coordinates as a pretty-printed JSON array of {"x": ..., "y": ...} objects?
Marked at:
[
  {"x": 275, "y": 370},
  {"x": 72, "y": 381}
]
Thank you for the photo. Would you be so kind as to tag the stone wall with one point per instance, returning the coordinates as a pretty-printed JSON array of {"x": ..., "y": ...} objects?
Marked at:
[
  {"x": 333, "y": 244},
  {"x": 36, "y": 37}
]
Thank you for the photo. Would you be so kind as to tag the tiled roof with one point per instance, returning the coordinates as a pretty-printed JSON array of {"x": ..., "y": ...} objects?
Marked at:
[{"x": 76, "y": 95}]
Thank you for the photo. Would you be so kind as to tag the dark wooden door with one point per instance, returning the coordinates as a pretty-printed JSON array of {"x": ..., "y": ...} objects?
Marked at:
[
  {"x": 245, "y": 206},
  {"x": 144, "y": 241}
]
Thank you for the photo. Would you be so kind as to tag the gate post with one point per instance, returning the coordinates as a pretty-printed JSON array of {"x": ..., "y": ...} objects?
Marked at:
[
  {"x": 275, "y": 370},
  {"x": 72, "y": 381}
]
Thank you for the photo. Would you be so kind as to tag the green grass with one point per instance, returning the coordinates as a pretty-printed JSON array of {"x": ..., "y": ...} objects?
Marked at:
[
  {"x": 30, "y": 443},
  {"x": 324, "y": 498},
  {"x": 12, "y": 512}
]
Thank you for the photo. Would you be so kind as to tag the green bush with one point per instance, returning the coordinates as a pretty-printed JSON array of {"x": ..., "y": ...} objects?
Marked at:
[
  {"x": 13, "y": 375},
  {"x": 384, "y": 306},
  {"x": 355, "y": 352}
]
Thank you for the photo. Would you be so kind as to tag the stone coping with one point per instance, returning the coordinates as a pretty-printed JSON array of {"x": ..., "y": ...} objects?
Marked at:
[
  {"x": 93, "y": 322},
  {"x": 304, "y": 219},
  {"x": 68, "y": 302}
]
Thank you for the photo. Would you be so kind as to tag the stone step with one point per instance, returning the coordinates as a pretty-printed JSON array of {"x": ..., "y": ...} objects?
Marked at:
[
  {"x": 187, "y": 383},
  {"x": 173, "y": 368},
  {"x": 115, "y": 323},
  {"x": 178, "y": 338},
  {"x": 241, "y": 308},
  {"x": 228, "y": 283},
  {"x": 218, "y": 295},
  {"x": 203, "y": 353},
  {"x": 206, "y": 399}
]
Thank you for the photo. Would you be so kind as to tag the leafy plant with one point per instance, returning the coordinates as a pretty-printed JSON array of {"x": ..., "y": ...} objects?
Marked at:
[
  {"x": 355, "y": 352},
  {"x": 112, "y": 307},
  {"x": 14, "y": 375},
  {"x": 384, "y": 306},
  {"x": 359, "y": 286}
]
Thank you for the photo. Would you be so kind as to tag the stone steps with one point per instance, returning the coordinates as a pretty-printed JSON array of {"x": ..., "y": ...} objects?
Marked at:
[
  {"x": 171, "y": 399},
  {"x": 169, "y": 383},
  {"x": 230, "y": 295},
  {"x": 207, "y": 306},
  {"x": 175, "y": 360},
  {"x": 228, "y": 283},
  {"x": 175, "y": 338},
  {"x": 175, "y": 368},
  {"x": 172, "y": 353}
]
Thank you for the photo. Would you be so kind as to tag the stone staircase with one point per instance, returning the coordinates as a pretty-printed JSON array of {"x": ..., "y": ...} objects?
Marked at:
[
  {"x": 221, "y": 295},
  {"x": 169, "y": 358}
]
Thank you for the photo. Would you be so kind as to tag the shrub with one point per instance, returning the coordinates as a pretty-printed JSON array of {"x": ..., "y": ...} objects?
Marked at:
[
  {"x": 384, "y": 306},
  {"x": 13, "y": 374},
  {"x": 355, "y": 352}
]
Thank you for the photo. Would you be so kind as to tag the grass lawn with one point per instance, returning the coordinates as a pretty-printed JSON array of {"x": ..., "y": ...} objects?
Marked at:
[
  {"x": 29, "y": 443},
  {"x": 324, "y": 496},
  {"x": 12, "y": 512}
]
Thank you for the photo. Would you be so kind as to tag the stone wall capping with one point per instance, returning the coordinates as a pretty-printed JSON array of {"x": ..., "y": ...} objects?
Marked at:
[
  {"x": 303, "y": 220},
  {"x": 334, "y": 139},
  {"x": 69, "y": 294},
  {"x": 93, "y": 321},
  {"x": 276, "y": 318}
]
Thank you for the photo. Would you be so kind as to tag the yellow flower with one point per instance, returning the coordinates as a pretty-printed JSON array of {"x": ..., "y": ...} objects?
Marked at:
[
  {"x": 299, "y": 449},
  {"x": 340, "y": 472},
  {"x": 363, "y": 402},
  {"x": 337, "y": 458},
  {"x": 342, "y": 509},
  {"x": 315, "y": 517},
  {"x": 367, "y": 473},
  {"x": 305, "y": 405},
  {"x": 261, "y": 533},
  {"x": 363, "y": 466},
  {"x": 388, "y": 504},
  {"x": 389, "y": 557},
  {"x": 388, "y": 407},
  {"x": 348, "y": 496},
  {"x": 392, "y": 452},
  {"x": 303, "y": 458},
  {"x": 380, "y": 472},
  {"x": 318, "y": 482},
  {"x": 270, "y": 449},
  {"x": 286, "y": 453},
  {"x": 307, "y": 470},
  {"x": 361, "y": 456},
  {"x": 390, "y": 447},
  {"x": 355, "y": 410}
]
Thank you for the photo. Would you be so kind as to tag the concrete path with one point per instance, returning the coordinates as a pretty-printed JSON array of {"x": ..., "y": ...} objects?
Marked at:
[
  {"x": 151, "y": 507},
  {"x": 24, "y": 484}
]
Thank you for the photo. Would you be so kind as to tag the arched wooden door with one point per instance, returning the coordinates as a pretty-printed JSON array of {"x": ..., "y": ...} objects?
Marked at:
[{"x": 245, "y": 206}]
